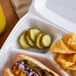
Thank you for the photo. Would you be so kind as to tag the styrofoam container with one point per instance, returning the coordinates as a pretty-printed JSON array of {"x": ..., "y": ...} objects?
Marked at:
[{"x": 36, "y": 17}]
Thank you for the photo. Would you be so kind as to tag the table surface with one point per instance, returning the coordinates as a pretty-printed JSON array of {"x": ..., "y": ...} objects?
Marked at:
[{"x": 11, "y": 19}]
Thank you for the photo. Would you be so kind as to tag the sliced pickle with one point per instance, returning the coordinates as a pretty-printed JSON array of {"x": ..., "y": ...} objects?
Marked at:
[
  {"x": 38, "y": 41},
  {"x": 29, "y": 41},
  {"x": 23, "y": 43},
  {"x": 46, "y": 40},
  {"x": 32, "y": 33}
]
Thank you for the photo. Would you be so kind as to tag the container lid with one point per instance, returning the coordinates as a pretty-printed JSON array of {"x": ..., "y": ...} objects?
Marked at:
[{"x": 60, "y": 12}]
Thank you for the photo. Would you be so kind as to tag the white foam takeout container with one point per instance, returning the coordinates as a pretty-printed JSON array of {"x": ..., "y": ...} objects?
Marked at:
[{"x": 48, "y": 22}]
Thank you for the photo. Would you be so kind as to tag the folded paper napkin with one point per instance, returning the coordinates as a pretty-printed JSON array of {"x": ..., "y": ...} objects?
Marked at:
[{"x": 21, "y": 6}]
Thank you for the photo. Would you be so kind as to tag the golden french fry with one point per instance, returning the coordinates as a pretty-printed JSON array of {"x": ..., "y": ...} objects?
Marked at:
[
  {"x": 70, "y": 40},
  {"x": 60, "y": 47},
  {"x": 65, "y": 48},
  {"x": 72, "y": 67},
  {"x": 73, "y": 73},
  {"x": 66, "y": 60}
]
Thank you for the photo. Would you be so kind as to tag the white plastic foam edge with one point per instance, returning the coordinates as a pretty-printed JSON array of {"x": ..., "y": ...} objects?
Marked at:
[{"x": 40, "y": 7}]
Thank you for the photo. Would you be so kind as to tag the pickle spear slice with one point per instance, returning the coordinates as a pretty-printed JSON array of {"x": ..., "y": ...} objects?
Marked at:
[
  {"x": 29, "y": 41},
  {"x": 38, "y": 41},
  {"x": 23, "y": 43},
  {"x": 32, "y": 33},
  {"x": 46, "y": 40}
]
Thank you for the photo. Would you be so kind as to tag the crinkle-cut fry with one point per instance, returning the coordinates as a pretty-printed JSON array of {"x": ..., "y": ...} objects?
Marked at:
[
  {"x": 66, "y": 61},
  {"x": 70, "y": 40},
  {"x": 60, "y": 47}
]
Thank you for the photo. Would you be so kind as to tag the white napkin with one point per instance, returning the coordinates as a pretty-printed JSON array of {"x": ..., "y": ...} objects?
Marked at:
[{"x": 21, "y": 6}]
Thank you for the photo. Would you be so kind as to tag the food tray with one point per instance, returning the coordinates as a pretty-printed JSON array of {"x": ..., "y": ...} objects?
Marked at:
[{"x": 32, "y": 19}]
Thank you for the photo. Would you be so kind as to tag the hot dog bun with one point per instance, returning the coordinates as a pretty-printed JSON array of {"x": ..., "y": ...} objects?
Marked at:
[{"x": 7, "y": 71}]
